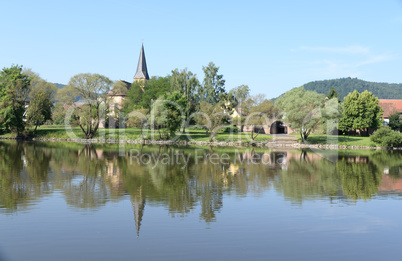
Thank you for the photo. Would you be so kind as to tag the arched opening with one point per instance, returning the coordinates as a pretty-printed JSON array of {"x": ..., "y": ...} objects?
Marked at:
[{"x": 278, "y": 127}]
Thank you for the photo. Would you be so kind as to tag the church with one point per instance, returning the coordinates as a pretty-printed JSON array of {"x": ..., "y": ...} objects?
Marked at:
[{"x": 141, "y": 74}]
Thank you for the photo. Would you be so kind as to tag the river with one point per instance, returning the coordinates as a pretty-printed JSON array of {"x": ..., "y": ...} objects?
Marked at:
[{"x": 69, "y": 201}]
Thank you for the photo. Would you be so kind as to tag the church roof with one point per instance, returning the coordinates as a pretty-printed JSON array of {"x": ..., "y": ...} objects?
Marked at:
[{"x": 142, "y": 71}]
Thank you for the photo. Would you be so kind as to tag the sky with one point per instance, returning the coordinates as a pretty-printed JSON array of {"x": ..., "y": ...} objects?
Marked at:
[{"x": 271, "y": 46}]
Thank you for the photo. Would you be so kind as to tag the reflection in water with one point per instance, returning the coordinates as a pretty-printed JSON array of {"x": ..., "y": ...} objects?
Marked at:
[{"x": 183, "y": 178}]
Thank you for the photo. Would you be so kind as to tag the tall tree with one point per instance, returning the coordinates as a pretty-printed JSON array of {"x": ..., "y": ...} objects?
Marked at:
[
  {"x": 213, "y": 86},
  {"x": 14, "y": 89},
  {"x": 360, "y": 112},
  {"x": 187, "y": 83},
  {"x": 395, "y": 121},
  {"x": 93, "y": 89},
  {"x": 301, "y": 110},
  {"x": 241, "y": 93},
  {"x": 41, "y": 97}
]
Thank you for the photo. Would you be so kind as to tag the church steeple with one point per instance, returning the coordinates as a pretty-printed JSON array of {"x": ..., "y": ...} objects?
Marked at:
[{"x": 142, "y": 71}]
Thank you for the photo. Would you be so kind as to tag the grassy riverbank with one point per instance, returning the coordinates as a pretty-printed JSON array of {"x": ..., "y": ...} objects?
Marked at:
[{"x": 60, "y": 132}]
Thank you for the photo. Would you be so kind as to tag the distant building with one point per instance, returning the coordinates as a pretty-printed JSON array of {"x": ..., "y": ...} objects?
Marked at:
[
  {"x": 118, "y": 97},
  {"x": 389, "y": 107}
]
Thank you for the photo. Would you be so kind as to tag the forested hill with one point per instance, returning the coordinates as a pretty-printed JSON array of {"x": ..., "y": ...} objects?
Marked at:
[
  {"x": 60, "y": 86},
  {"x": 346, "y": 85}
]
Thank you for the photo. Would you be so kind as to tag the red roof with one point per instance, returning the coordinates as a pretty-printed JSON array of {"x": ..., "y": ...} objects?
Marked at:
[{"x": 390, "y": 106}]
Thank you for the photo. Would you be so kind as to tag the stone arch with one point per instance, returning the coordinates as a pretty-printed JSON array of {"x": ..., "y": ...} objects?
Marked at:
[{"x": 278, "y": 127}]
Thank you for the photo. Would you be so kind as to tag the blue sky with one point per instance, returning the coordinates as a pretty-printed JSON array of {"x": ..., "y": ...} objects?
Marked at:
[{"x": 272, "y": 46}]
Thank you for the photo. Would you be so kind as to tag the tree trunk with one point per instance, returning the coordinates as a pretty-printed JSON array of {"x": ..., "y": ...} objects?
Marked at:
[
  {"x": 241, "y": 128},
  {"x": 34, "y": 133}
]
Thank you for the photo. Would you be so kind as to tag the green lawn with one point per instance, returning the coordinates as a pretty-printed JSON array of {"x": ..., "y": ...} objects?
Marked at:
[
  {"x": 339, "y": 139},
  {"x": 59, "y": 131}
]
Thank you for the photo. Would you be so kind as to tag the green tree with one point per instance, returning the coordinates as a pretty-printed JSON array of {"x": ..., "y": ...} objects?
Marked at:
[
  {"x": 260, "y": 114},
  {"x": 332, "y": 93},
  {"x": 167, "y": 114},
  {"x": 360, "y": 112},
  {"x": 59, "y": 113},
  {"x": 211, "y": 117},
  {"x": 93, "y": 89},
  {"x": 301, "y": 110},
  {"x": 14, "y": 88},
  {"x": 395, "y": 121},
  {"x": 41, "y": 97},
  {"x": 142, "y": 94},
  {"x": 39, "y": 110},
  {"x": 187, "y": 83},
  {"x": 213, "y": 86},
  {"x": 138, "y": 118}
]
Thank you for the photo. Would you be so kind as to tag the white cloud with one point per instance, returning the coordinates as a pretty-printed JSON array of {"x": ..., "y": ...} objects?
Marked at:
[{"x": 352, "y": 49}]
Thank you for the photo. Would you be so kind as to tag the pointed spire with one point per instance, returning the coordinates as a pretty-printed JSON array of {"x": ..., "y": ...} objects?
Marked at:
[
  {"x": 138, "y": 203},
  {"x": 142, "y": 71}
]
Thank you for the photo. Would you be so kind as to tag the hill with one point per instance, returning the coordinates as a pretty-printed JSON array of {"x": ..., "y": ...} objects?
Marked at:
[
  {"x": 60, "y": 86},
  {"x": 346, "y": 85}
]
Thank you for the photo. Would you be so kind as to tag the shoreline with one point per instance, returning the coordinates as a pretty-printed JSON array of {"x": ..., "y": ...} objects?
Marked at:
[{"x": 269, "y": 144}]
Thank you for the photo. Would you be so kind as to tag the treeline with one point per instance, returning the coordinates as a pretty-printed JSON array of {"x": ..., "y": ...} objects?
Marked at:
[{"x": 344, "y": 86}]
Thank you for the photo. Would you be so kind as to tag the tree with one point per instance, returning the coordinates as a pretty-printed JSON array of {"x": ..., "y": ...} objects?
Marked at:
[
  {"x": 260, "y": 114},
  {"x": 360, "y": 112},
  {"x": 301, "y": 110},
  {"x": 59, "y": 114},
  {"x": 14, "y": 88},
  {"x": 138, "y": 118},
  {"x": 211, "y": 117},
  {"x": 241, "y": 93},
  {"x": 93, "y": 89},
  {"x": 395, "y": 121},
  {"x": 167, "y": 115},
  {"x": 41, "y": 96},
  {"x": 213, "y": 85},
  {"x": 40, "y": 109},
  {"x": 142, "y": 94},
  {"x": 187, "y": 83},
  {"x": 332, "y": 93}
]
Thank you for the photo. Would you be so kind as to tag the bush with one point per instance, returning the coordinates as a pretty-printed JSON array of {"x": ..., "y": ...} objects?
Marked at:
[
  {"x": 230, "y": 129},
  {"x": 386, "y": 137}
]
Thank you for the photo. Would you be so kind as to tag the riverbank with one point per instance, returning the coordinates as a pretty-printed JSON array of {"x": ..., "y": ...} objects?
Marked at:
[
  {"x": 270, "y": 144},
  {"x": 195, "y": 137}
]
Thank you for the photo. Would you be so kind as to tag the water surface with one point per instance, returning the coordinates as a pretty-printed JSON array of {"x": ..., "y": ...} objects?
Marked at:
[{"x": 105, "y": 202}]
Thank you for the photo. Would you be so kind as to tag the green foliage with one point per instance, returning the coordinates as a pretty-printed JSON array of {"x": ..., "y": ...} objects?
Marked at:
[
  {"x": 360, "y": 112},
  {"x": 213, "y": 86},
  {"x": 301, "y": 110},
  {"x": 167, "y": 115},
  {"x": 14, "y": 88},
  {"x": 211, "y": 117},
  {"x": 346, "y": 85},
  {"x": 230, "y": 129},
  {"x": 59, "y": 114},
  {"x": 40, "y": 109},
  {"x": 187, "y": 83},
  {"x": 395, "y": 121},
  {"x": 141, "y": 94},
  {"x": 93, "y": 89},
  {"x": 241, "y": 93},
  {"x": 386, "y": 137}
]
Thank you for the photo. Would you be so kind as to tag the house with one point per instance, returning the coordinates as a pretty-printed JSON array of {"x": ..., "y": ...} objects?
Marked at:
[{"x": 389, "y": 107}]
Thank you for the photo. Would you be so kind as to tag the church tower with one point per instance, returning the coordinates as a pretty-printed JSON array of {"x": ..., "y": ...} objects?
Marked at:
[{"x": 142, "y": 71}]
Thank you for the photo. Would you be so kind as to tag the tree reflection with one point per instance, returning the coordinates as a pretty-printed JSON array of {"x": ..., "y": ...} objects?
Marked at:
[{"x": 91, "y": 175}]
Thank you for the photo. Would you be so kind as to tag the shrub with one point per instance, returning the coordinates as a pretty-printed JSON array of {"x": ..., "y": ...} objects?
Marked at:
[
  {"x": 386, "y": 137},
  {"x": 230, "y": 129}
]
